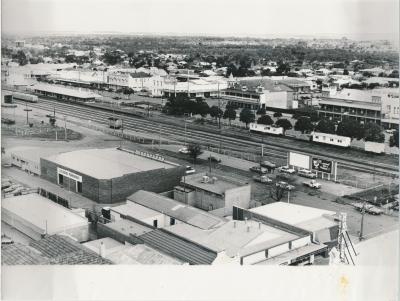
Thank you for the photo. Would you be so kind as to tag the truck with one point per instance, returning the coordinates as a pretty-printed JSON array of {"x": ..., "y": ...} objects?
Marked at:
[
  {"x": 262, "y": 179},
  {"x": 312, "y": 184}
]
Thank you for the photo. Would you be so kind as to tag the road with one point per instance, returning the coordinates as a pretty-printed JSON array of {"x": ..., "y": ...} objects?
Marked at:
[{"x": 276, "y": 147}]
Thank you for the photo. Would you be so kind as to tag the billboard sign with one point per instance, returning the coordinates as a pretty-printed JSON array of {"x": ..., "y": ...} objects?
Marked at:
[
  {"x": 322, "y": 165},
  {"x": 299, "y": 160}
]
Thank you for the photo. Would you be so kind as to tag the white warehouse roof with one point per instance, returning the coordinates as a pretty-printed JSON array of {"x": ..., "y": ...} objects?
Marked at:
[{"x": 42, "y": 213}]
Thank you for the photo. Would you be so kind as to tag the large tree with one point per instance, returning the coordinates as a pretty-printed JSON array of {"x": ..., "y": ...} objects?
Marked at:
[
  {"x": 194, "y": 151},
  {"x": 247, "y": 116},
  {"x": 230, "y": 114},
  {"x": 265, "y": 119},
  {"x": 284, "y": 123},
  {"x": 216, "y": 113},
  {"x": 325, "y": 126},
  {"x": 202, "y": 108},
  {"x": 373, "y": 133},
  {"x": 307, "y": 111},
  {"x": 303, "y": 124},
  {"x": 350, "y": 128}
]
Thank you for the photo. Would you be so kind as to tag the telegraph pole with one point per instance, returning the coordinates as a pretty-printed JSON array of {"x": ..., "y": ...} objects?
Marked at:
[
  {"x": 219, "y": 107},
  {"x": 27, "y": 113},
  {"x": 160, "y": 137},
  {"x": 65, "y": 127},
  {"x": 362, "y": 221}
]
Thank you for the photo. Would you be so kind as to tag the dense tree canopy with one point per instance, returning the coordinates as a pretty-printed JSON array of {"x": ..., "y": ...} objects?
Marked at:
[
  {"x": 373, "y": 132},
  {"x": 325, "y": 126},
  {"x": 265, "y": 119},
  {"x": 247, "y": 116},
  {"x": 230, "y": 113},
  {"x": 284, "y": 123},
  {"x": 350, "y": 128},
  {"x": 303, "y": 124}
]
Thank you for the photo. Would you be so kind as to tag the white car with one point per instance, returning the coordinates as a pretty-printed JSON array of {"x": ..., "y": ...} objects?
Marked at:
[
  {"x": 286, "y": 169},
  {"x": 284, "y": 185},
  {"x": 184, "y": 150},
  {"x": 189, "y": 170},
  {"x": 307, "y": 174}
]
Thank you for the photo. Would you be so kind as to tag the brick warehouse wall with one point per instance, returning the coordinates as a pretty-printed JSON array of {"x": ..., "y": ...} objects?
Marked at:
[
  {"x": 158, "y": 180},
  {"x": 90, "y": 185},
  {"x": 118, "y": 189}
]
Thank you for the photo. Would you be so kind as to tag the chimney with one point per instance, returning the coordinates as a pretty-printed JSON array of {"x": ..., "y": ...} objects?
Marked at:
[
  {"x": 234, "y": 224},
  {"x": 102, "y": 250},
  {"x": 259, "y": 225},
  {"x": 245, "y": 220},
  {"x": 248, "y": 228}
]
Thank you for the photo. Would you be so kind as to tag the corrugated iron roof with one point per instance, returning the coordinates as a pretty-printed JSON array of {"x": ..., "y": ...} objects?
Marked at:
[
  {"x": 180, "y": 211},
  {"x": 178, "y": 247}
]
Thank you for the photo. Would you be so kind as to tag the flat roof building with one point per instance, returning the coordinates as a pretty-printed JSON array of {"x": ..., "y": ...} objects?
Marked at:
[
  {"x": 110, "y": 175},
  {"x": 36, "y": 216},
  {"x": 120, "y": 253},
  {"x": 256, "y": 93},
  {"x": 380, "y": 106},
  {"x": 322, "y": 223},
  {"x": 213, "y": 192}
]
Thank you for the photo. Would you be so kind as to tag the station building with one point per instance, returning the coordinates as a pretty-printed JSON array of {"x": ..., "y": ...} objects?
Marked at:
[
  {"x": 62, "y": 93},
  {"x": 110, "y": 175}
]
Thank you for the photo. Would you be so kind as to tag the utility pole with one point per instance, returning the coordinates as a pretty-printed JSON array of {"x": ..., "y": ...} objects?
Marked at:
[
  {"x": 65, "y": 127},
  {"x": 185, "y": 132},
  {"x": 288, "y": 196},
  {"x": 27, "y": 110},
  {"x": 160, "y": 137},
  {"x": 122, "y": 134},
  {"x": 362, "y": 221},
  {"x": 209, "y": 163},
  {"x": 219, "y": 107}
]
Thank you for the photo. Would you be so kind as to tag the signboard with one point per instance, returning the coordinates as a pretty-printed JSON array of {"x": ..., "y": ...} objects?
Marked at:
[
  {"x": 149, "y": 155},
  {"x": 321, "y": 165},
  {"x": 299, "y": 160},
  {"x": 69, "y": 174}
]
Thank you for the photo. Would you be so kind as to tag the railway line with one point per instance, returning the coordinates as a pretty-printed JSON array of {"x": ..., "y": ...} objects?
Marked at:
[{"x": 229, "y": 140}]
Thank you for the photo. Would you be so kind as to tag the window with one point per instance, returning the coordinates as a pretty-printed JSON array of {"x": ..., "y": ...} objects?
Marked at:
[
  {"x": 155, "y": 223},
  {"x": 171, "y": 221},
  {"x": 331, "y": 140}
]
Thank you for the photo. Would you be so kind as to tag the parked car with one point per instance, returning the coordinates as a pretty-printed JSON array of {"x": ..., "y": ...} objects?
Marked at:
[
  {"x": 184, "y": 150},
  {"x": 258, "y": 169},
  {"x": 190, "y": 170},
  {"x": 285, "y": 185},
  {"x": 286, "y": 169},
  {"x": 371, "y": 209},
  {"x": 312, "y": 184},
  {"x": 262, "y": 179},
  {"x": 117, "y": 98},
  {"x": 12, "y": 188},
  {"x": 268, "y": 164},
  {"x": 5, "y": 184},
  {"x": 307, "y": 174},
  {"x": 391, "y": 131},
  {"x": 214, "y": 159}
]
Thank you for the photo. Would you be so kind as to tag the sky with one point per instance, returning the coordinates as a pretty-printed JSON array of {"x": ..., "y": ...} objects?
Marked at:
[{"x": 279, "y": 18}]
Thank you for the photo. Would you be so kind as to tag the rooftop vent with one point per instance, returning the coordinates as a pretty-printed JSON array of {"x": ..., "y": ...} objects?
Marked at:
[{"x": 205, "y": 179}]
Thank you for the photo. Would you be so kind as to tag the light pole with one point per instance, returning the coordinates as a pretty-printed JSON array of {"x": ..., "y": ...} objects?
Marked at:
[
  {"x": 362, "y": 221},
  {"x": 27, "y": 110}
]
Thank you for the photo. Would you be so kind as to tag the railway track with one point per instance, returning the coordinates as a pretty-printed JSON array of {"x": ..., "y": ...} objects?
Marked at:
[{"x": 234, "y": 141}]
